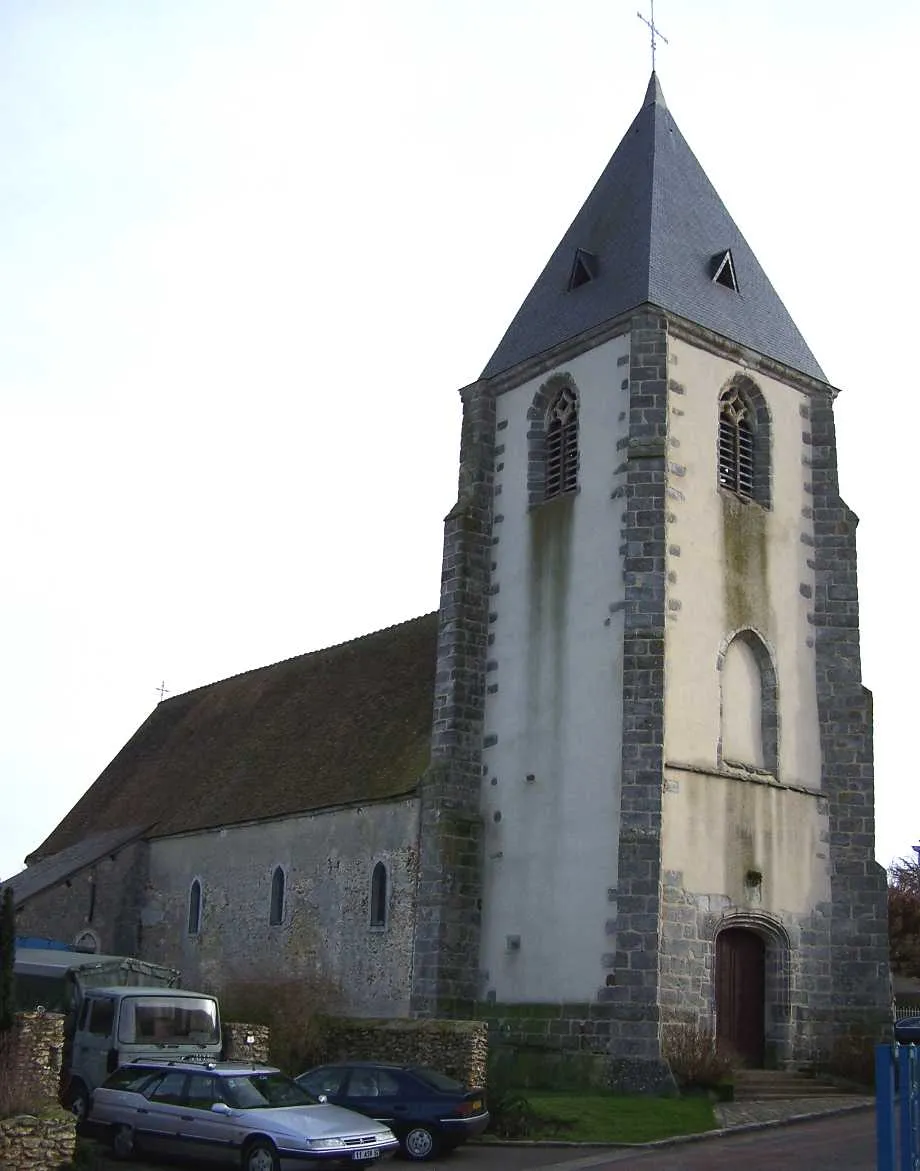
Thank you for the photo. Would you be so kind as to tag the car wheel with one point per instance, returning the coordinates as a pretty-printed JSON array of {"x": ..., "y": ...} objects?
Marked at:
[
  {"x": 260, "y": 1155},
  {"x": 419, "y": 1144},
  {"x": 78, "y": 1100},
  {"x": 123, "y": 1142}
]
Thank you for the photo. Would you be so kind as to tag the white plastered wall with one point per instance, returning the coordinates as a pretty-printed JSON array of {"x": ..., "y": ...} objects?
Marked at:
[
  {"x": 553, "y": 715},
  {"x": 745, "y": 825}
]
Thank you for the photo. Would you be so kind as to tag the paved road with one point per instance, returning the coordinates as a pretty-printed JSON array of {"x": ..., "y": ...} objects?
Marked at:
[{"x": 845, "y": 1143}]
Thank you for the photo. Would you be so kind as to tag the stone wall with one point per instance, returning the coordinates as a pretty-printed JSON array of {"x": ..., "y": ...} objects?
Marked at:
[
  {"x": 457, "y": 1048},
  {"x": 545, "y": 1045},
  {"x": 103, "y": 899},
  {"x": 860, "y": 989},
  {"x": 30, "y": 1067},
  {"x": 28, "y": 1143},
  {"x": 325, "y": 942},
  {"x": 237, "y": 1045},
  {"x": 632, "y": 982},
  {"x": 447, "y": 934},
  {"x": 31, "y": 1057}
]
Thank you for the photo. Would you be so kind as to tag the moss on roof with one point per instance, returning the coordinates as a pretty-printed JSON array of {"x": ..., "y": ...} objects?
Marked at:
[{"x": 343, "y": 725}]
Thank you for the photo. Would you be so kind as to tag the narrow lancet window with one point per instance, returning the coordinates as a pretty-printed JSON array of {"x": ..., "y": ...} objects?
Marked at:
[
  {"x": 276, "y": 911},
  {"x": 194, "y": 908},
  {"x": 562, "y": 444},
  {"x": 379, "y": 896},
  {"x": 736, "y": 444}
]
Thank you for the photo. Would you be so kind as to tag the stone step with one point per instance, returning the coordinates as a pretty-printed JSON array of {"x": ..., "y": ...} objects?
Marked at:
[{"x": 754, "y": 1085}]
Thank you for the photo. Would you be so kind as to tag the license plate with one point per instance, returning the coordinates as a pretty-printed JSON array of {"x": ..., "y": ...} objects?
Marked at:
[{"x": 368, "y": 1153}]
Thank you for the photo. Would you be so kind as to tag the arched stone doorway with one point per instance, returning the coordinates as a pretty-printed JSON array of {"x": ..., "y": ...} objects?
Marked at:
[{"x": 740, "y": 987}]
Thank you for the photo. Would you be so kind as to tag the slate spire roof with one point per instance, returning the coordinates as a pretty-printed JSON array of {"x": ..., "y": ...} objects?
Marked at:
[{"x": 654, "y": 230}]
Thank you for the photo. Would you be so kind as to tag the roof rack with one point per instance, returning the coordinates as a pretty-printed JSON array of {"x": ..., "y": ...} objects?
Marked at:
[
  {"x": 204, "y": 1059},
  {"x": 208, "y": 1061}
]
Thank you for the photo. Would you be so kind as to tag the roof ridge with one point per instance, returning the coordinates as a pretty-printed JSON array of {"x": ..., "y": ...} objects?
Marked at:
[{"x": 291, "y": 658}]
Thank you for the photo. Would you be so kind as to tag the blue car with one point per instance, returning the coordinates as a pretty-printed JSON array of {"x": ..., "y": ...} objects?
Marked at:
[
  {"x": 428, "y": 1111},
  {"x": 907, "y": 1030}
]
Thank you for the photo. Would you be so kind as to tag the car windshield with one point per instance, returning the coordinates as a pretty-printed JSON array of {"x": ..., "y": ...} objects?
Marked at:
[
  {"x": 169, "y": 1020},
  {"x": 255, "y": 1091},
  {"x": 440, "y": 1081}
]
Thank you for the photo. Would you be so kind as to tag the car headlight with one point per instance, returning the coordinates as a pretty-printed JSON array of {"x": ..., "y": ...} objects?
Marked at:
[{"x": 325, "y": 1144}]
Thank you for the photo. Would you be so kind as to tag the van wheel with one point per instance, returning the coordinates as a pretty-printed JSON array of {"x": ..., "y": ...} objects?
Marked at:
[
  {"x": 260, "y": 1155},
  {"x": 78, "y": 1100},
  {"x": 123, "y": 1142}
]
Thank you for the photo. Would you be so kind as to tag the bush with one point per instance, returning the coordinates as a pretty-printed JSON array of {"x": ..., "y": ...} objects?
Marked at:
[
  {"x": 695, "y": 1059},
  {"x": 510, "y": 1113},
  {"x": 293, "y": 1011}
]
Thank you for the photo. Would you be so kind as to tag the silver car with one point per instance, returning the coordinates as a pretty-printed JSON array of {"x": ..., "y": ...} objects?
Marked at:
[{"x": 236, "y": 1112}]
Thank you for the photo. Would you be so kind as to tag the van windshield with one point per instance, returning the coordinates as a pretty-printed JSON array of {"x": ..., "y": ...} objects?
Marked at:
[{"x": 169, "y": 1020}]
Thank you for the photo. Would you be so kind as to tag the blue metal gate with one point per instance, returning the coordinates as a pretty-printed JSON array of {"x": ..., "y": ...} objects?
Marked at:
[{"x": 897, "y": 1115}]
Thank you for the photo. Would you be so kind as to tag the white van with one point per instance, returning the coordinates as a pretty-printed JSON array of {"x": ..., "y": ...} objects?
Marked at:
[
  {"x": 116, "y": 1008},
  {"x": 116, "y": 1025}
]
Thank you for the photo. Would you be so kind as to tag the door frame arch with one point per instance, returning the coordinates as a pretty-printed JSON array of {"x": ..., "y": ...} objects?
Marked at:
[{"x": 777, "y": 1023}]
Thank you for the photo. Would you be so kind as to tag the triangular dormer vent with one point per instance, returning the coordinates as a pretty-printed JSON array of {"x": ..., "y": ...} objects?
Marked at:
[
  {"x": 723, "y": 270},
  {"x": 584, "y": 269}
]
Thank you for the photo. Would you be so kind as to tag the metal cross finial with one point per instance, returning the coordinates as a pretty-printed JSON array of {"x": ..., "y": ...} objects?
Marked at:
[
  {"x": 656, "y": 34},
  {"x": 163, "y": 690}
]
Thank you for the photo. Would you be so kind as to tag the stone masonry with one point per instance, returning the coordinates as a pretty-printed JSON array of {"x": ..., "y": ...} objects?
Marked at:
[
  {"x": 449, "y": 886},
  {"x": 632, "y": 992},
  {"x": 859, "y": 941}
]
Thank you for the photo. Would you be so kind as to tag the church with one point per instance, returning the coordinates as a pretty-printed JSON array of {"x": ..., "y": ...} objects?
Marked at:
[{"x": 622, "y": 780}]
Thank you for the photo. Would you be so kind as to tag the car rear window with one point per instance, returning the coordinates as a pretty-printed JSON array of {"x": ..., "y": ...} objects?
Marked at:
[{"x": 440, "y": 1081}]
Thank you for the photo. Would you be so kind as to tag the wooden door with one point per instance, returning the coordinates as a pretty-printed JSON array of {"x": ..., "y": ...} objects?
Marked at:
[{"x": 740, "y": 994}]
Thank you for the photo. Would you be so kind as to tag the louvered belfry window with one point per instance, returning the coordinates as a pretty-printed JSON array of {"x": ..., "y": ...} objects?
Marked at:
[
  {"x": 736, "y": 445},
  {"x": 562, "y": 444}
]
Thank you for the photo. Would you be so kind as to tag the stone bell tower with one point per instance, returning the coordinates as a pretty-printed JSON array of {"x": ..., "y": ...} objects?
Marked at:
[{"x": 651, "y": 796}]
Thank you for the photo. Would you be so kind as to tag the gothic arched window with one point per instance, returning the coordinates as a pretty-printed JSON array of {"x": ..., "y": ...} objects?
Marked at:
[
  {"x": 561, "y": 449},
  {"x": 194, "y": 908},
  {"x": 749, "y": 733},
  {"x": 736, "y": 443},
  {"x": 379, "y": 896},
  {"x": 276, "y": 909}
]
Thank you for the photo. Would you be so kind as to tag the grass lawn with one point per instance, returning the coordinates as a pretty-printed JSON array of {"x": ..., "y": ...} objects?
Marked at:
[{"x": 610, "y": 1118}]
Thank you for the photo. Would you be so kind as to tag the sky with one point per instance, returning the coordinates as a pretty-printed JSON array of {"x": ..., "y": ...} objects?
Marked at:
[{"x": 249, "y": 251}]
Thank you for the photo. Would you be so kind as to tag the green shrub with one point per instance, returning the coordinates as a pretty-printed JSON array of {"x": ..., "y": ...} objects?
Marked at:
[{"x": 510, "y": 1113}]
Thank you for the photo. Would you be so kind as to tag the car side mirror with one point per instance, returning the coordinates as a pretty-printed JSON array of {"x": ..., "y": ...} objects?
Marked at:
[{"x": 221, "y": 1108}]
